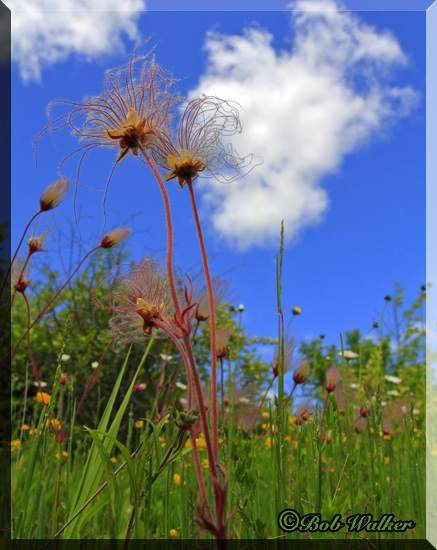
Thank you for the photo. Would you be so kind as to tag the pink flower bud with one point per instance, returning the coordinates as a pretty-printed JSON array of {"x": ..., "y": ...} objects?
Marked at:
[
  {"x": 301, "y": 373},
  {"x": 333, "y": 377},
  {"x": 53, "y": 195},
  {"x": 114, "y": 237}
]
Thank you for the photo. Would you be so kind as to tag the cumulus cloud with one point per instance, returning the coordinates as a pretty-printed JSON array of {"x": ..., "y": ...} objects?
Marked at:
[
  {"x": 304, "y": 110},
  {"x": 43, "y": 33}
]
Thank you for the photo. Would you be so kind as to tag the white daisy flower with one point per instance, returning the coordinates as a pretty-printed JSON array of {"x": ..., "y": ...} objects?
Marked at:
[
  {"x": 393, "y": 379},
  {"x": 348, "y": 354}
]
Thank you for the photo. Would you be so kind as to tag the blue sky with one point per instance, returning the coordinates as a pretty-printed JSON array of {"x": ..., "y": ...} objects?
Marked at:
[{"x": 335, "y": 106}]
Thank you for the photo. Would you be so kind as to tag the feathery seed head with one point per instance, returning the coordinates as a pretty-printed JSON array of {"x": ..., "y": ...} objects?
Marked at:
[{"x": 140, "y": 302}]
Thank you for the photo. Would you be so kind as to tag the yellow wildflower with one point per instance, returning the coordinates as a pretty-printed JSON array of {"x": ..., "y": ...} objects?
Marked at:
[
  {"x": 113, "y": 459},
  {"x": 42, "y": 397},
  {"x": 177, "y": 479},
  {"x": 268, "y": 442},
  {"x": 387, "y": 460},
  {"x": 173, "y": 533}
]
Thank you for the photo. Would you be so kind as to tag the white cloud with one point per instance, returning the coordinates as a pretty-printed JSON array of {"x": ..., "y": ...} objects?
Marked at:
[
  {"x": 48, "y": 31},
  {"x": 304, "y": 110}
]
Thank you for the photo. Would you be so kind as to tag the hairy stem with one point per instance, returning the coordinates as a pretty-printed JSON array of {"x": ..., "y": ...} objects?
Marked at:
[{"x": 212, "y": 320}]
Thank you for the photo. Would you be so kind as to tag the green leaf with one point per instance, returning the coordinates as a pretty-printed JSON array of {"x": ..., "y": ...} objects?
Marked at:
[{"x": 107, "y": 467}]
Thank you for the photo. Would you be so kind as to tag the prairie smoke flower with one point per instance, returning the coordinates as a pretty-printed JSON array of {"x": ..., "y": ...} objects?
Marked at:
[
  {"x": 138, "y": 100},
  {"x": 20, "y": 275},
  {"x": 38, "y": 236},
  {"x": 302, "y": 413},
  {"x": 197, "y": 147},
  {"x": 114, "y": 237},
  {"x": 53, "y": 195},
  {"x": 221, "y": 342},
  {"x": 138, "y": 388},
  {"x": 360, "y": 425},
  {"x": 289, "y": 349},
  {"x": 220, "y": 291},
  {"x": 301, "y": 373},
  {"x": 138, "y": 300},
  {"x": 333, "y": 377}
]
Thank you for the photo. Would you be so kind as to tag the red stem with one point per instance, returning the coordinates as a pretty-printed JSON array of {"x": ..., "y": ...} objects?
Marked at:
[
  {"x": 190, "y": 364},
  {"x": 291, "y": 395},
  {"x": 212, "y": 320},
  {"x": 16, "y": 251},
  {"x": 14, "y": 293},
  {"x": 199, "y": 475},
  {"x": 43, "y": 310},
  {"x": 169, "y": 238}
]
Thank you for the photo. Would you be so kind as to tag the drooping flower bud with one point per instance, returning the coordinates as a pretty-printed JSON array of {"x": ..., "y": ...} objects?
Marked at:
[
  {"x": 327, "y": 437},
  {"x": 64, "y": 379},
  {"x": 333, "y": 377},
  {"x": 301, "y": 373},
  {"x": 20, "y": 275},
  {"x": 221, "y": 346},
  {"x": 114, "y": 237},
  {"x": 53, "y": 195},
  {"x": 360, "y": 425}
]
